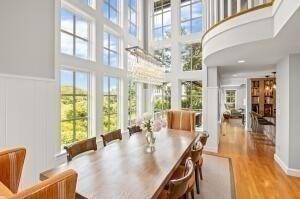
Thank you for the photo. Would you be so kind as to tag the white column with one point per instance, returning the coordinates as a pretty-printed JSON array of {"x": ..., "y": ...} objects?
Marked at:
[
  {"x": 250, "y": 5},
  {"x": 261, "y": 2},
  {"x": 248, "y": 105},
  {"x": 207, "y": 14},
  {"x": 221, "y": 2},
  {"x": 211, "y": 13},
  {"x": 239, "y": 6},
  {"x": 229, "y": 8},
  {"x": 216, "y": 14}
]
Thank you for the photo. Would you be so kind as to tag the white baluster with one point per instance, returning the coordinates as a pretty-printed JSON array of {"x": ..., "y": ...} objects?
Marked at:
[{"x": 221, "y": 11}]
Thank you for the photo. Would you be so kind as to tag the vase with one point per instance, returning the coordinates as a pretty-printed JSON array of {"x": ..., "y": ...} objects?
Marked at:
[{"x": 150, "y": 138}]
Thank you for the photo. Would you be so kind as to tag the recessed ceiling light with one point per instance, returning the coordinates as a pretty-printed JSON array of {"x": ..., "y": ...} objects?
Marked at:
[{"x": 241, "y": 61}]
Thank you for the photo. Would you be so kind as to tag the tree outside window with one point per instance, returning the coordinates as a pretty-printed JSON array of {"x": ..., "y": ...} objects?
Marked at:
[
  {"x": 191, "y": 57},
  {"x": 132, "y": 103},
  {"x": 74, "y": 106},
  {"x": 111, "y": 104},
  {"x": 162, "y": 99},
  {"x": 230, "y": 98},
  {"x": 164, "y": 55}
]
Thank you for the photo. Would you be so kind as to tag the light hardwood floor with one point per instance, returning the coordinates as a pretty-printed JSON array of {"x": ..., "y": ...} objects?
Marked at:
[{"x": 256, "y": 173}]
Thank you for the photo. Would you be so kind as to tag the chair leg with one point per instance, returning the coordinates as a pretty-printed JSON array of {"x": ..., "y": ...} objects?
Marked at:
[
  {"x": 193, "y": 194},
  {"x": 197, "y": 178},
  {"x": 200, "y": 168}
]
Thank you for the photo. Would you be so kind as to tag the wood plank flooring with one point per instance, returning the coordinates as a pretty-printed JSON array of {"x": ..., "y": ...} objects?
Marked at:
[{"x": 256, "y": 173}]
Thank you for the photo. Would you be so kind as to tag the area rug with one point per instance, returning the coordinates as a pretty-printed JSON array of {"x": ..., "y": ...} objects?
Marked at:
[{"x": 218, "y": 180}]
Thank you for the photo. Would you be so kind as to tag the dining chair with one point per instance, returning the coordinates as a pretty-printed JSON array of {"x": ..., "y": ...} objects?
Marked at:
[
  {"x": 111, "y": 136},
  {"x": 11, "y": 166},
  {"x": 196, "y": 156},
  {"x": 134, "y": 129},
  {"x": 81, "y": 147},
  {"x": 179, "y": 187},
  {"x": 61, "y": 186},
  {"x": 203, "y": 138},
  {"x": 181, "y": 120}
]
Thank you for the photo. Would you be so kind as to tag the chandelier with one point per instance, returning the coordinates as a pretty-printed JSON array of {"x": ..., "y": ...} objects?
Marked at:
[{"x": 144, "y": 67}]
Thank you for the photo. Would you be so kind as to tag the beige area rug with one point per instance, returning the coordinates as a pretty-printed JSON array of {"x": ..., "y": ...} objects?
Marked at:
[{"x": 218, "y": 181}]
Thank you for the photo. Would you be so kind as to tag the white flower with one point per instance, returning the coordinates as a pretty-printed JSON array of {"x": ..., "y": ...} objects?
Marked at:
[{"x": 147, "y": 116}]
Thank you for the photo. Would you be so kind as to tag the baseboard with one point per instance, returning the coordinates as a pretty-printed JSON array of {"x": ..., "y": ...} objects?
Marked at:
[
  {"x": 211, "y": 149},
  {"x": 285, "y": 168}
]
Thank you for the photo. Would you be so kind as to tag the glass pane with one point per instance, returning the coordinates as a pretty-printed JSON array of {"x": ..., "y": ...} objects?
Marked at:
[
  {"x": 67, "y": 21},
  {"x": 186, "y": 63},
  {"x": 66, "y": 107},
  {"x": 196, "y": 103},
  {"x": 197, "y": 63},
  {"x": 185, "y": 13},
  {"x": 133, "y": 17},
  {"x": 167, "y": 18},
  {"x": 132, "y": 29},
  {"x": 82, "y": 27},
  {"x": 185, "y": 102},
  {"x": 82, "y": 48},
  {"x": 185, "y": 2},
  {"x": 114, "y": 4},
  {"x": 105, "y": 85},
  {"x": 81, "y": 129},
  {"x": 66, "y": 132},
  {"x": 106, "y": 104},
  {"x": 186, "y": 88},
  {"x": 114, "y": 16},
  {"x": 158, "y": 21},
  {"x": 158, "y": 34},
  {"x": 66, "y": 43},
  {"x": 82, "y": 82},
  {"x": 185, "y": 28},
  {"x": 81, "y": 106},
  {"x": 114, "y": 86},
  {"x": 105, "y": 57},
  {"x": 196, "y": 10},
  {"x": 196, "y": 49},
  {"x": 113, "y": 59},
  {"x": 197, "y": 25},
  {"x": 105, "y": 10},
  {"x": 114, "y": 122},
  {"x": 66, "y": 81},
  {"x": 196, "y": 88},
  {"x": 106, "y": 124},
  {"x": 114, "y": 43},
  {"x": 113, "y": 104},
  {"x": 167, "y": 32},
  {"x": 158, "y": 103}
]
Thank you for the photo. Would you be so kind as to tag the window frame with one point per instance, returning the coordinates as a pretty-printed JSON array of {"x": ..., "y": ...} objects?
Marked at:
[
  {"x": 118, "y": 52},
  {"x": 191, "y": 56},
  {"x": 130, "y": 22},
  {"x": 162, "y": 12},
  {"x": 74, "y": 96},
  {"x": 164, "y": 89},
  {"x": 161, "y": 55},
  {"x": 190, "y": 96},
  {"x": 190, "y": 5},
  {"x": 117, "y": 114},
  {"x": 117, "y": 10},
  {"x": 74, "y": 36},
  {"x": 231, "y": 97},
  {"x": 131, "y": 109}
]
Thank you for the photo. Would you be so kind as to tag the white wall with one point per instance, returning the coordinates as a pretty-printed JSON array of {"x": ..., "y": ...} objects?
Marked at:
[{"x": 27, "y": 38}]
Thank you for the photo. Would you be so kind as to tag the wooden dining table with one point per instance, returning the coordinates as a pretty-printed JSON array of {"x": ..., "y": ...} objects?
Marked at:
[{"x": 125, "y": 169}]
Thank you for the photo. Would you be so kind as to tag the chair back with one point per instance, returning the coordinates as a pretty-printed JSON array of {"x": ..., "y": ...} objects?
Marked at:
[
  {"x": 81, "y": 147},
  {"x": 182, "y": 120},
  {"x": 134, "y": 129},
  {"x": 109, "y": 137},
  {"x": 11, "y": 166},
  {"x": 196, "y": 152},
  {"x": 178, "y": 187},
  {"x": 60, "y": 186},
  {"x": 203, "y": 138}
]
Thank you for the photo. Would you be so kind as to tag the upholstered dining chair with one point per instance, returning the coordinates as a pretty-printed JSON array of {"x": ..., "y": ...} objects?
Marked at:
[
  {"x": 11, "y": 166},
  {"x": 196, "y": 155},
  {"x": 81, "y": 147},
  {"x": 179, "y": 187},
  {"x": 109, "y": 137},
  {"x": 203, "y": 138},
  {"x": 134, "y": 129},
  {"x": 181, "y": 120},
  {"x": 61, "y": 186}
]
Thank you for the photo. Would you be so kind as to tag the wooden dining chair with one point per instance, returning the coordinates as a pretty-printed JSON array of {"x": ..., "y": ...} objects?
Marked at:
[
  {"x": 134, "y": 129},
  {"x": 179, "y": 187},
  {"x": 61, "y": 186},
  {"x": 109, "y": 137},
  {"x": 203, "y": 138},
  {"x": 181, "y": 120},
  {"x": 11, "y": 166},
  {"x": 196, "y": 156},
  {"x": 81, "y": 147}
]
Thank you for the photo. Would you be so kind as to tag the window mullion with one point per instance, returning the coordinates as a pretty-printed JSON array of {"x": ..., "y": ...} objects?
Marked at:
[{"x": 74, "y": 108}]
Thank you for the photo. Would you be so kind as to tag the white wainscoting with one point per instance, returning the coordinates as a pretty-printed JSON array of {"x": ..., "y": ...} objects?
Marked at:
[{"x": 29, "y": 117}]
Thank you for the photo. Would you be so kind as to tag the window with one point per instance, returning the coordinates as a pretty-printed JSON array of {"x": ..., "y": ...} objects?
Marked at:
[
  {"x": 132, "y": 17},
  {"x": 162, "y": 19},
  {"x": 162, "y": 98},
  {"x": 111, "y": 86},
  {"x": 164, "y": 55},
  {"x": 90, "y": 3},
  {"x": 132, "y": 102},
  {"x": 111, "y": 10},
  {"x": 111, "y": 50},
  {"x": 191, "y": 57},
  {"x": 230, "y": 99},
  {"x": 75, "y": 35},
  {"x": 191, "y": 16},
  {"x": 74, "y": 106},
  {"x": 191, "y": 95}
]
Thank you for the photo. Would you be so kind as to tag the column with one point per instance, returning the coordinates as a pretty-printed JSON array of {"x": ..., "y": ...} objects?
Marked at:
[
  {"x": 229, "y": 8},
  {"x": 216, "y": 14},
  {"x": 287, "y": 114},
  {"x": 211, "y": 13},
  {"x": 248, "y": 105},
  {"x": 261, "y": 2},
  {"x": 221, "y": 11},
  {"x": 250, "y": 5},
  {"x": 239, "y": 6}
]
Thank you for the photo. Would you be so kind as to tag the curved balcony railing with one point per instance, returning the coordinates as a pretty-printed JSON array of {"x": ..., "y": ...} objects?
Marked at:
[{"x": 219, "y": 11}]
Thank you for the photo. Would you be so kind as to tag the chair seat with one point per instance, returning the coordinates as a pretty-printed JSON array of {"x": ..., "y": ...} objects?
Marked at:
[
  {"x": 163, "y": 194},
  {"x": 4, "y": 191}
]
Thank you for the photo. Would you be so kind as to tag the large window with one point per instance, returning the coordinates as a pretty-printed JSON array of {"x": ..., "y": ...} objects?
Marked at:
[
  {"x": 191, "y": 57},
  {"x": 75, "y": 35},
  {"x": 111, "y": 10},
  {"x": 162, "y": 19},
  {"x": 164, "y": 55},
  {"x": 132, "y": 102},
  {"x": 111, "y": 50},
  {"x": 111, "y": 104},
  {"x": 90, "y": 3},
  {"x": 162, "y": 98},
  {"x": 74, "y": 106},
  {"x": 191, "y": 16},
  {"x": 132, "y": 17},
  {"x": 191, "y": 95},
  {"x": 230, "y": 98}
]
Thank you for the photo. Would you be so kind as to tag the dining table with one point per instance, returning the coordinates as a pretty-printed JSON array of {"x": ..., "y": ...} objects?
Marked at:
[{"x": 127, "y": 169}]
